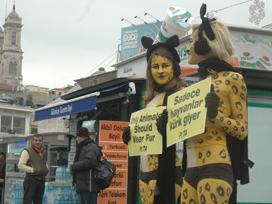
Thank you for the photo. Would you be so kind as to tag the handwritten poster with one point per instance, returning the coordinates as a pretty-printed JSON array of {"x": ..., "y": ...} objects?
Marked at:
[
  {"x": 145, "y": 138},
  {"x": 187, "y": 112}
]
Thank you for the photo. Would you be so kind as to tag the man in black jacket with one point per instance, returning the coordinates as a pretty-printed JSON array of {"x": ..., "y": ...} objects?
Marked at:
[{"x": 86, "y": 158}]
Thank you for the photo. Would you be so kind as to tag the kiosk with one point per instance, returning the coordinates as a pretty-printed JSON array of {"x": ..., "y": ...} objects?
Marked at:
[{"x": 58, "y": 186}]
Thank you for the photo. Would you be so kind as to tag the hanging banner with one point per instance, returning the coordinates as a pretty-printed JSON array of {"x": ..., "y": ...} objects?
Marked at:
[
  {"x": 187, "y": 112},
  {"x": 145, "y": 138}
]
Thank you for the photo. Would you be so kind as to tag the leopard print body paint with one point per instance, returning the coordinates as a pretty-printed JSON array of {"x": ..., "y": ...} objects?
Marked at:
[
  {"x": 210, "y": 148},
  {"x": 231, "y": 119}
]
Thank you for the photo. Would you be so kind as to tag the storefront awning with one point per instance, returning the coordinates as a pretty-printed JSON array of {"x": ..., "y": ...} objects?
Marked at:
[
  {"x": 116, "y": 84},
  {"x": 73, "y": 106}
]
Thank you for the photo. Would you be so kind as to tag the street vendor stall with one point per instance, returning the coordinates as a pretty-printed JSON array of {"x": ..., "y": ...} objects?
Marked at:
[{"x": 58, "y": 186}]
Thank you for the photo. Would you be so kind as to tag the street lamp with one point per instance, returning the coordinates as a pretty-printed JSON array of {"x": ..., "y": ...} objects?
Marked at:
[
  {"x": 151, "y": 16},
  {"x": 127, "y": 21},
  {"x": 141, "y": 19}
]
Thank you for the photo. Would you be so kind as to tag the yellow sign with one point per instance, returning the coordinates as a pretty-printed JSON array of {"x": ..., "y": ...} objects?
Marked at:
[
  {"x": 145, "y": 138},
  {"x": 187, "y": 112}
]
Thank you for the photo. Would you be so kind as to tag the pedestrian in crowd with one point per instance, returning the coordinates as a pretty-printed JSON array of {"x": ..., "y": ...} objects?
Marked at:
[
  {"x": 87, "y": 157},
  {"x": 33, "y": 161},
  {"x": 214, "y": 159},
  {"x": 161, "y": 176},
  {"x": 2, "y": 173}
]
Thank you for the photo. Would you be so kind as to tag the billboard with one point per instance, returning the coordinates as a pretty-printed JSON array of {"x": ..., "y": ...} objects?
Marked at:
[
  {"x": 252, "y": 50},
  {"x": 131, "y": 38}
]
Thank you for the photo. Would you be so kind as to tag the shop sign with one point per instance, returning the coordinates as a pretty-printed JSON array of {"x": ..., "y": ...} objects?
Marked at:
[
  {"x": 17, "y": 147},
  {"x": 66, "y": 108},
  {"x": 115, "y": 151}
]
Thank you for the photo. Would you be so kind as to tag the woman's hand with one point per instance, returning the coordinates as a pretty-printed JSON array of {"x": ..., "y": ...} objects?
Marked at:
[
  {"x": 161, "y": 123},
  {"x": 212, "y": 103},
  {"x": 126, "y": 135}
]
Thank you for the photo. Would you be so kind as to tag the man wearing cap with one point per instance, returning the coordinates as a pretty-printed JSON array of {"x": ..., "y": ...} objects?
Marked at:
[
  {"x": 33, "y": 162},
  {"x": 86, "y": 158}
]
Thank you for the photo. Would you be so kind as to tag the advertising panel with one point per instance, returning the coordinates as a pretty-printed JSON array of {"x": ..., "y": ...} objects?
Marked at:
[
  {"x": 178, "y": 21},
  {"x": 252, "y": 50},
  {"x": 131, "y": 38}
]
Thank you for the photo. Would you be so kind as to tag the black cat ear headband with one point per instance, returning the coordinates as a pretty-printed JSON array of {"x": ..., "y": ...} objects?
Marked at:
[
  {"x": 206, "y": 24},
  {"x": 201, "y": 45},
  {"x": 170, "y": 45}
]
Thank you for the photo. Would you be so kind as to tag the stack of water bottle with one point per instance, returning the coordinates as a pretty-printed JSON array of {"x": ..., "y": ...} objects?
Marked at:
[
  {"x": 63, "y": 175},
  {"x": 66, "y": 196},
  {"x": 17, "y": 193},
  {"x": 44, "y": 200}
]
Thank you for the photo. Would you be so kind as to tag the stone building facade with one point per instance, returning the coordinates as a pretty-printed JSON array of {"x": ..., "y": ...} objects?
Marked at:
[
  {"x": 11, "y": 54},
  {"x": 97, "y": 77}
]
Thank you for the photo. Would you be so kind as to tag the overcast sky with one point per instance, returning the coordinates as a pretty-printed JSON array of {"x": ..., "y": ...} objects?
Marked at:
[{"x": 64, "y": 40}]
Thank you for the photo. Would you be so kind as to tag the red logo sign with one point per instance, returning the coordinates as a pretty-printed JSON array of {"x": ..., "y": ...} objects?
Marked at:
[
  {"x": 265, "y": 58},
  {"x": 246, "y": 54}
]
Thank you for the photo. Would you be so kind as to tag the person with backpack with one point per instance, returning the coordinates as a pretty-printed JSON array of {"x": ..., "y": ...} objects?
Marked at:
[{"x": 87, "y": 157}]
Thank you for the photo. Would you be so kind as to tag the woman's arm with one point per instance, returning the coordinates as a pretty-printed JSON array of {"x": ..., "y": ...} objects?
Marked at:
[{"x": 236, "y": 125}]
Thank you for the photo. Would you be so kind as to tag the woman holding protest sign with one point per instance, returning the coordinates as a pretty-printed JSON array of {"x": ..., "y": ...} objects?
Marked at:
[
  {"x": 161, "y": 176},
  {"x": 213, "y": 160}
]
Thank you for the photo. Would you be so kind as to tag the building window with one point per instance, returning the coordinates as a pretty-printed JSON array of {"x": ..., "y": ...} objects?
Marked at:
[
  {"x": 5, "y": 123},
  {"x": 12, "y": 67},
  {"x": 19, "y": 125},
  {"x": 13, "y": 38},
  {"x": 34, "y": 131}
]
